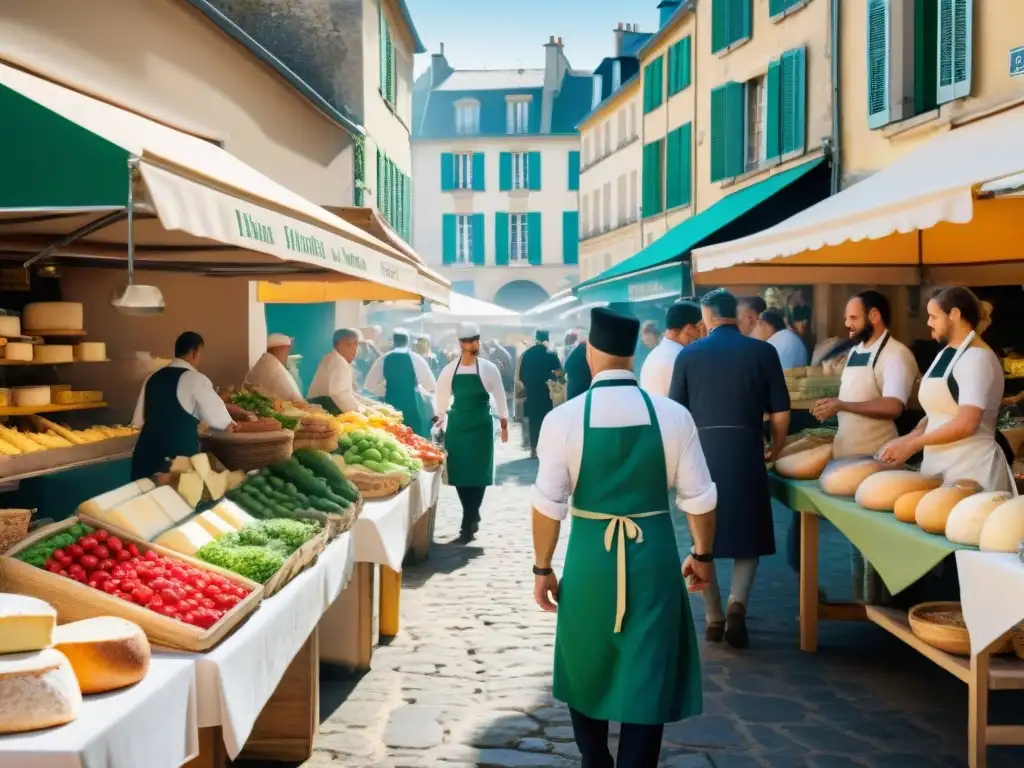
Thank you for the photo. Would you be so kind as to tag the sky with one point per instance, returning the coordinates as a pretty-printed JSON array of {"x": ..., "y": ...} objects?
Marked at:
[{"x": 510, "y": 34}]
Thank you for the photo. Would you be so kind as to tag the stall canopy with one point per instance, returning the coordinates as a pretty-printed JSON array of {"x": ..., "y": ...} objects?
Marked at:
[
  {"x": 558, "y": 301},
  {"x": 462, "y": 308},
  {"x": 197, "y": 207},
  {"x": 947, "y": 204},
  {"x": 657, "y": 271}
]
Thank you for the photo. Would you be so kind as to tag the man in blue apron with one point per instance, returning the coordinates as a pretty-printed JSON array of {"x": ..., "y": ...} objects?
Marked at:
[
  {"x": 470, "y": 386},
  {"x": 625, "y": 648},
  {"x": 538, "y": 367},
  {"x": 172, "y": 403},
  {"x": 404, "y": 379},
  {"x": 729, "y": 381}
]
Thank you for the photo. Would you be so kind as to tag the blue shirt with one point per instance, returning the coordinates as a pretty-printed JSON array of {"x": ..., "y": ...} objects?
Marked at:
[{"x": 791, "y": 348}]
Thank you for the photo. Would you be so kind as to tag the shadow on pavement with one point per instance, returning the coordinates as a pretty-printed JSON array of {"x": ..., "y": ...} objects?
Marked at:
[
  {"x": 445, "y": 559},
  {"x": 518, "y": 472}
]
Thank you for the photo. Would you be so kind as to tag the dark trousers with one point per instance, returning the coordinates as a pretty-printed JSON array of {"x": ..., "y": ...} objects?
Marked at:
[
  {"x": 639, "y": 745},
  {"x": 534, "y": 420},
  {"x": 471, "y": 499}
]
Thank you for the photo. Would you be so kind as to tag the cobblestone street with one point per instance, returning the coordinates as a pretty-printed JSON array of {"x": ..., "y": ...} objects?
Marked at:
[{"x": 467, "y": 682}]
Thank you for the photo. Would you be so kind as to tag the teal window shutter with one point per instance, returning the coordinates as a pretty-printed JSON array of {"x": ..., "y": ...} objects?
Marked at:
[
  {"x": 673, "y": 68},
  {"x": 570, "y": 237},
  {"x": 719, "y": 24},
  {"x": 878, "y": 63},
  {"x": 685, "y": 56},
  {"x": 740, "y": 21},
  {"x": 478, "y": 239},
  {"x": 926, "y": 51},
  {"x": 501, "y": 239},
  {"x": 383, "y": 46},
  {"x": 379, "y": 181},
  {"x": 533, "y": 171},
  {"x": 653, "y": 197},
  {"x": 773, "y": 104},
  {"x": 735, "y": 133},
  {"x": 672, "y": 153},
  {"x": 731, "y": 22},
  {"x": 574, "y": 171},
  {"x": 648, "y": 88},
  {"x": 408, "y": 210},
  {"x": 954, "y": 56},
  {"x": 478, "y": 171},
  {"x": 448, "y": 224},
  {"x": 792, "y": 108},
  {"x": 799, "y": 78},
  {"x": 534, "y": 238},
  {"x": 505, "y": 171},
  {"x": 775, "y": 7},
  {"x": 659, "y": 80},
  {"x": 447, "y": 171},
  {"x": 686, "y": 164}
]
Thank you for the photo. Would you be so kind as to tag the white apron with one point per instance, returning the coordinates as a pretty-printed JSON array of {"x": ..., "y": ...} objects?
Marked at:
[
  {"x": 860, "y": 435},
  {"x": 978, "y": 457}
]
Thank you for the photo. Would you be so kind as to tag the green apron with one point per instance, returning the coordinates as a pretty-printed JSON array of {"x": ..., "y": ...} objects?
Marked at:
[
  {"x": 168, "y": 430},
  {"x": 403, "y": 393},
  {"x": 327, "y": 403},
  {"x": 625, "y": 649},
  {"x": 469, "y": 435}
]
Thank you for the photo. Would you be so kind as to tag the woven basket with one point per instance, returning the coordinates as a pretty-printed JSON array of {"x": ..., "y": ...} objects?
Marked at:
[
  {"x": 250, "y": 450},
  {"x": 372, "y": 485},
  {"x": 315, "y": 440},
  {"x": 952, "y": 638},
  {"x": 342, "y": 522},
  {"x": 13, "y": 526},
  {"x": 301, "y": 559}
]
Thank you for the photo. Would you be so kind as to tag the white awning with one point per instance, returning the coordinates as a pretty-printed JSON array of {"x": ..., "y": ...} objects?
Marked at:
[{"x": 884, "y": 219}]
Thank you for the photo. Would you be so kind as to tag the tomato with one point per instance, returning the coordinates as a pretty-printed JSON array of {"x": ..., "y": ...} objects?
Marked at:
[
  {"x": 230, "y": 601},
  {"x": 89, "y": 562},
  {"x": 124, "y": 596},
  {"x": 129, "y": 585},
  {"x": 76, "y": 551},
  {"x": 204, "y": 618},
  {"x": 101, "y": 576},
  {"x": 67, "y": 561},
  {"x": 109, "y": 586},
  {"x": 207, "y": 603},
  {"x": 88, "y": 543},
  {"x": 106, "y": 565},
  {"x": 134, "y": 550},
  {"x": 177, "y": 572},
  {"x": 170, "y": 595},
  {"x": 190, "y": 604},
  {"x": 64, "y": 574},
  {"x": 114, "y": 544},
  {"x": 155, "y": 603},
  {"x": 93, "y": 584},
  {"x": 168, "y": 611},
  {"x": 160, "y": 583},
  {"x": 142, "y": 595},
  {"x": 100, "y": 534},
  {"x": 241, "y": 592},
  {"x": 152, "y": 556},
  {"x": 188, "y": 618},
  {"x": 79, "y": 577},
  {"x": 131, "y": 573},
  {"x": 212, "y": 590},
  {"x": 52, "y": 566},
  {"x": 58, "y": 554},
  {"x": 123, "y": 555},
  {"x": 76, "y": 568},
  {"x": 199, "y": 584},
  {"x": 101, "y": 552}
]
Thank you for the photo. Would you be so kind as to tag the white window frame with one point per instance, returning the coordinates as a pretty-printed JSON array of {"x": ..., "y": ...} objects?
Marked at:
[
  {"x": 463, "y": 240},
  {"x": 520, "y": 171},
  {"x": 518, "y": 240},
  {"x": 467, "y": 117},
  {"x": 517, "y": 114},
  {"x": 462, "y": 172},
  {"x": 755, "y": 139}
]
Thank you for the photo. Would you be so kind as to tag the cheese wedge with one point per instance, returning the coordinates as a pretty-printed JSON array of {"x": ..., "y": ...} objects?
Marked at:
[
  {"x": 171, "y": 502},
  {"x": 214, "y": 525},
  {"x": 37, "y": 690},
  {"x": 233, "y": 515},
  {"x": 190, "y": 486},
  {"x": 98, "y": 504},
  {"x": 217, "y": 484},
  {"x": 26, "y": 624},
  {"x": 141, "y": 517},
  {"x": 235, "y": 478},
  {"x": 201, "y": 462},
  {"x": 180, "y": 464},
  {"x": 106, "y": 653},
  {"x": 185, "y": 539}
]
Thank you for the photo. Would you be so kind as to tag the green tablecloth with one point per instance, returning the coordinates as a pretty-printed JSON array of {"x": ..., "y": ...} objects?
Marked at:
[{"x": 901, "y": 552}]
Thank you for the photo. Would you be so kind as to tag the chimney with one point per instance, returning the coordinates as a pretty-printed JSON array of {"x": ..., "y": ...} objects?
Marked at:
[
  {"x": 439, "y": 69},
  {"x": 620, "y": 31},
  {"x": 555, "y": 64},
  {"x": 666, "y": 8}
]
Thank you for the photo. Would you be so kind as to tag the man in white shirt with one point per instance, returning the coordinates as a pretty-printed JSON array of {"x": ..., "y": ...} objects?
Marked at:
[
  {"x": 171, "y": 404},
  {"x": 270, "y": 374},
  {"x": 683, "y": 325},
  {"x": 791, "y": 348},
  {"x": 748, "y": 313},
  {"x": 333, "y": 386},
  {"x": 404, "y": 380}
]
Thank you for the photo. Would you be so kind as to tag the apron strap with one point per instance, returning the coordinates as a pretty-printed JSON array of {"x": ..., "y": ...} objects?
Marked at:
[{"x": 881, "y": 346}]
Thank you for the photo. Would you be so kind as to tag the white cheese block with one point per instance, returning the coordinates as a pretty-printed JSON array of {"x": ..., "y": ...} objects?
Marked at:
[
  {"x": 30, "y": 397},
  {"x": 141, "y": 517},
  {"x": 53, "y": 316},
  {"x": 106, "y": 653},
  {"x": 214, "y": 525},
  {"x": 171, "y": 503},
  {"x": 190, "y": 486},
  {"x": 19, "y": 350},
  {"x": 54, "y": 353},
  {"x": 233, "y": 515},
  {"x": 26, "y": 623},
  {"x": 185, "y": 539},
  {"x": 90, "y": 351},
  {"x": 10, "y": 326},
  {"x": 99, "y": 504},
  {"x": 37, "y": 690}
]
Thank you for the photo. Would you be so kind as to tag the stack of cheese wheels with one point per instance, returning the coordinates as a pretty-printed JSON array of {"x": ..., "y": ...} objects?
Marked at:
[
  {"x": 10, "y": 326},
  {"x": 21, "y": 351},
  {"x": 54, "y": 353},
  {"x": 934, "y": 506},
  {"x": 30, "y": 397},
  {"x": 967, "y": 519},
  {"x": 52, "y": 316},
  {"x": 106, "y": 653},
  {"x": 842, "y": 477},
  {"x": 1004, "y": 529},
  {"x": 804, "y": 465},
  {"x": 91, "y": 351},
  {"x": 880, "y": 491}
]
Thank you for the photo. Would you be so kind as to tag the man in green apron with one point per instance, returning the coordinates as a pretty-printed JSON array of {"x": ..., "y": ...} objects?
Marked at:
[
  {"x": 625, "y": 647},
  {"x": 333, "y": 387},
  {"x": 404, "y": 379},
  {"x": 469, "y": 385}
]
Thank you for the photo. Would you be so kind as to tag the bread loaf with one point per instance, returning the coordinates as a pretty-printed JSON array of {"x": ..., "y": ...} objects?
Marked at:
[
  {"x": 969, "y": 516},
  {"x": 106, "y": 653},
  {"x": 37, "y": 690},
  {"x": 880, "y": 491},
  {"x": 1004, "y": 529},
  {"x": 843, "y": 476},
  {"x": 805, "y": 465},
  {"x": 905, "y": 508},
  {"x": 933, "y": 510}
]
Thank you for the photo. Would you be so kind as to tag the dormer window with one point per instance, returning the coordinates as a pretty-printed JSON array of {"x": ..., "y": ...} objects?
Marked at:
[
  {"x": 467, "y": 117},
  {"x": 518, "y": 114}
]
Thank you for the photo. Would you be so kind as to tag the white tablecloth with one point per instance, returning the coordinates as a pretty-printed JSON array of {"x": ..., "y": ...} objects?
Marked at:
[
  {"x": 991, "y": 593},
  {"x": 152, "y": 724},
  {"x": 425, "y": 492},
  {"x": 382, "y": 531},
  {"x": 235, "y": 680}
]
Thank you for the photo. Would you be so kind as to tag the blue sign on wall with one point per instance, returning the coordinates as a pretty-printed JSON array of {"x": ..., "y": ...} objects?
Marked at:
[{"x": 1017, "y": 61}]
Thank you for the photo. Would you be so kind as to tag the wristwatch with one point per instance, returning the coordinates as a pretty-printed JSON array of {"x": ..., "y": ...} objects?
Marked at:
[
  {"x": 705, "y": 558},
  {"x": 542, "y": 571}
]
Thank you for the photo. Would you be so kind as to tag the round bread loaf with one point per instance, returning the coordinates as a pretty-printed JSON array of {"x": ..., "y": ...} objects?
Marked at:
[
  {"x": 933, "y": 510},
  {"x": 880, "y": 491},
  {"x": 805, "y": 465},
  {"x": 106, "y": 652},
  {"x": 843, "y": 476}
]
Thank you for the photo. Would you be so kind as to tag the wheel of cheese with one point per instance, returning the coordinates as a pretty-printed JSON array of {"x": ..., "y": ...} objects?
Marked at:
[
  {"x": 969, "y": 516},
  {"x": 10, "y": 326},
  {"x": 106, "y": 653},
  {"x": 90, "y": 351},
  {"x": 26, "y": 623},
  {"x": 37, "y": 690},
  {"x": 843, "y": 476},
  {"x": 54, "y": 353},
  {"x": 1004, "y": 529},
  {"x": 19, "y": 350},
  {"x": 905, "y": 508},
  {"x": 933, "y": 510},
  {"x": 805, "y": 465},
  {"x": 30, "y": 397},
  {"x": 52, "y": 316},
  {"x": 880, "y": 491}
]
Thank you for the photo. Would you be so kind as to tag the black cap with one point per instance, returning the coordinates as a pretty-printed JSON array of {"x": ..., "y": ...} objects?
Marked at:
[
  {"x": 612, "y": 333},
  {"x": 543, "y": 336},
  {"x": 682, "y": 314}
]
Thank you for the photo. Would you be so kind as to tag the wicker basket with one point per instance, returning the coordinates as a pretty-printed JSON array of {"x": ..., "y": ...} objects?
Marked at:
[
  {"x": 316, "y": 440},
  {"x": 343, "y": 521},
  {"x": 942, "y": 626},
  {"x": 372, "y": 485},
  {"x": 250, "y": 450},
  {"x": 13, "y": 526},
  {"x": 301, "y": 559}
]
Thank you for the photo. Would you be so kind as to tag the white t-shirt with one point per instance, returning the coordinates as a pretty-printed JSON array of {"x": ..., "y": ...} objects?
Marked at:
[
  {"x": 270, "y": 376},
  {"x": 334, "y": 379},
  {"x": 791, "y": 348},
  {"x": 980, "y": 379},
  {"x": 490, "y": 375},
  {"x": 656, "y": 372},
  {"x": 895, "y": 368},
  {"x": 196, "y": 396}
]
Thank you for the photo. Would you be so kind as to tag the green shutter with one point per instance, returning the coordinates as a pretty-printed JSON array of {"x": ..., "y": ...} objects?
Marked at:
[
  {"x": 574, "y": 171},
  {"x": 775, "y": 7},
  {"x": 534, "y": 236},
  {"x": 792, "y": 108},
  {"x": 740, "y": 22},
  {"x": 447, "y": 171},
  {"x": 653, "y": 197},
  {"x": 533, "y": 171},
  {"x": 719, "y": 24},
  {"x": 478, "y": 171},
  {"x": 686, "y": 164},
  {"x": 673, "y": 56},
  {"x": 954, "y": 55},
  {"x": 648, "y": 88},
  {"x": 448, "y": 224},
  {"x": 659, "y": 79},
  {"x": 387, "y": 88},
  {"x": 505, "y": 171},
  {"x": 718, "y": 128},
  {"x": 735, "y": 134},
  {"x": 570, "y": 237},
  {"x": 686, "y": 54},
  {"x": 878, "y": 63},
  {"x": 379, "y": 180},
  {"x": 773, "y": 116},
  {"x": 926, "y": 51},
  {"x": 672, "y": 152},
  {"x": 501, "y": 239},
  {"x": 382, "y": 44},
  {"x": 408, "y": 210},
  {"x": 478, "y": 250}
]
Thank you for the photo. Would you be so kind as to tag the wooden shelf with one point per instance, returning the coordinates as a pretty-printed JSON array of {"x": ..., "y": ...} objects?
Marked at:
[
  {"x": 4, "y": 361},
  {"x": 7, "y": 483},
  {"x": 52, "y": 408},
  {"x": 54, "y": 334}
]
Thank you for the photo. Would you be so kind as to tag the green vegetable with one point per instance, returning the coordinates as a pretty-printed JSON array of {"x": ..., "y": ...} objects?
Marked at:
[
  {"x": 255, "y": 563},
  {"x": 294, "y": 533},
  {"x": 372, "y": 454},
  {"x": 323, "y": 505},
  {"x": 305, "y": 481},
  {"x": 321, "y": 465}
]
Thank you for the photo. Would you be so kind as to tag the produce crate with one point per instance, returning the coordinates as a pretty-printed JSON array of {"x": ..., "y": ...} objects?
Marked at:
[
  {"x": 74, "y": 601},
  {"x": 249, "y": 450},
  {"x": 301, "y": 559}
]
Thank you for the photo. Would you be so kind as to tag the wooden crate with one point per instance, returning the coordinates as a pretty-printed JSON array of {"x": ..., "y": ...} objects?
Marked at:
[
  {"x": 74, "y": 601},
  {"x": 300, "y": 560}
]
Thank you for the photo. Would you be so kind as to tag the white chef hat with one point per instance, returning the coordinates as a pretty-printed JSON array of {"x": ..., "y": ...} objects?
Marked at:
[
  {"x": 468, "y": 332},
  {"x": 278, "y": 340}
]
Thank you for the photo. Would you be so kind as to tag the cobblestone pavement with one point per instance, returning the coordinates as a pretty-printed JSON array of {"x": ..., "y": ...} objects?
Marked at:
[{"x": 467, "y": 682}]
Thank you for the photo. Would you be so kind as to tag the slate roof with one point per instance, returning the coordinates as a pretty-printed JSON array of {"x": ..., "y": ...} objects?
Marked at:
[
  {"x": 632, "y": 42},
  {"x": 492, "y": 79},
  {"x": 571, "y": 103}
]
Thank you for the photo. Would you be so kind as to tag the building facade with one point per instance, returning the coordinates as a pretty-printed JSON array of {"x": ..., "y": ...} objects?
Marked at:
[{"x": 496, "y": 168}]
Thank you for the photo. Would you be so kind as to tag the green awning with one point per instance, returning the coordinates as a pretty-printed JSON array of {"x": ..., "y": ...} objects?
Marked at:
[
  {"x": 646, "y": 285},
  {"x": 674, "y": 245}
]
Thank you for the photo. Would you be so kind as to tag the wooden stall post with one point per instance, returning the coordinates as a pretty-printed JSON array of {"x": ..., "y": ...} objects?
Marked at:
[
  {"x": 422, "y": 536},
  {"x": 211, "y": 750},
  {"x": 390, "y": 601},
  {"x": 808, "y": 582},
  {"x": 346, "y": 629}
]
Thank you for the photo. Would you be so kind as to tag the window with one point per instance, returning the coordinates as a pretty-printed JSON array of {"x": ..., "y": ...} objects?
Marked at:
[
  {"x": 464, "y": 240},
  {"x": 632, "y": 120},
  {"x": 463, "y": 170},
  {"x": 394, "y": 196},
  {"x": 608, "y": 206},
  {"x": 518, "y": 237},
  {"x": 653, "y": 198},
  {"x": 621, "y": 127},
  {"x": 730, "y": 23},
  {"x": 634, "y": 183},
  {"x": 622, "y": 210},
  {"x": 574, "y": 171},
  {"x": 677, "y": 167},
  {"x": 600, "y": 143},
  {"x": 679, "y": 66},
  {"x": 584, "y": 216},
  {"x": 616, "y": 75},
  {"x": 654, "y": 85},
  {"x": 598, "y": 84},
  {"x": 520, "y": 170},
  {"x": 608, "y": 136},
  {"x": 785, "y": 107},
  {"x": 778, "y": 7},
  {"x": 755, "y": 132},
  {"x": 467, "y": 118},
  {"x": 588, "y": 150},
  {"x": 518, "y": 115}
]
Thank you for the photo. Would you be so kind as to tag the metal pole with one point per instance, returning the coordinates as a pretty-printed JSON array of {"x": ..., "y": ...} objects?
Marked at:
[{"x": 133, "y": 167}]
